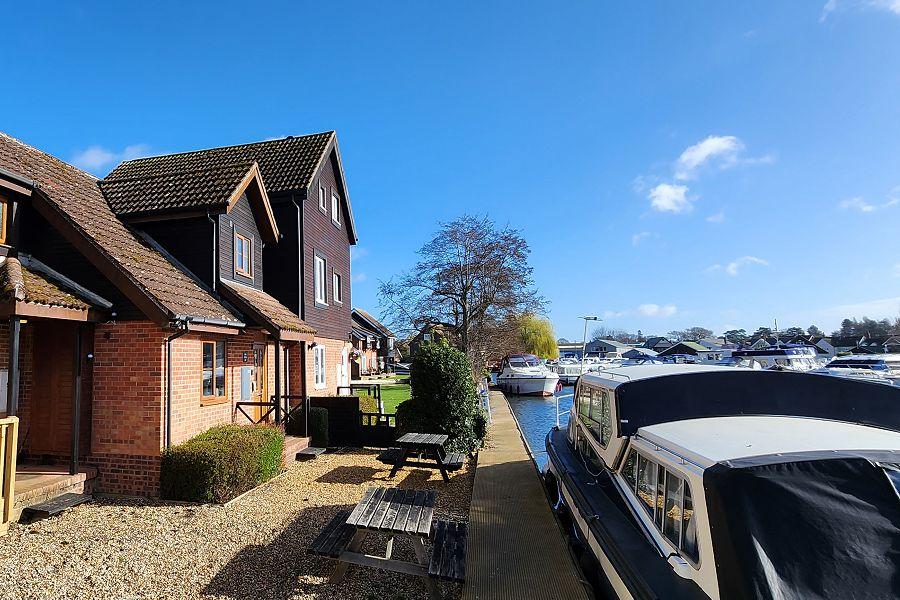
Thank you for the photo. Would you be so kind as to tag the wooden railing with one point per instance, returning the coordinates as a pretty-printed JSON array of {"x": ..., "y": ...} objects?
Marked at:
[{"x": 9, "y": 435}]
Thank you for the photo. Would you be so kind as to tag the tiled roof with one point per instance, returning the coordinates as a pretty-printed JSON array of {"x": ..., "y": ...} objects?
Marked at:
[
  {"x": 268, "y": 308},
  {"x": 77, "y": 197},
  {"x": 374, "y": 322},
  {"x": 23, "y": 285},
  {"x": 287, "y": 164},
  {"x": 199, "y": 188}
]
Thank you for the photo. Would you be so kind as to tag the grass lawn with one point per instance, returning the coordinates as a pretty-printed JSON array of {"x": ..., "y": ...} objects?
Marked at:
[{"x": 392, "y": 395}]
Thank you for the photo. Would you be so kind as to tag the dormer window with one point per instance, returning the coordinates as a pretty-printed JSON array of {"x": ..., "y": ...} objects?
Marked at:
[
  {"x": 243, "y": 255},
  {"x": 323, "y": 199},
  {"x": 335, "y": 208}
]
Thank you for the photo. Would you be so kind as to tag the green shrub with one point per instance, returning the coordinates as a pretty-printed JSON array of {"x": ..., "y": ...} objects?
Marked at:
[
  {"x": 444, "y": 398},
  {"x": 221, "y": 463},
  {"x": 318, "y": 426}
]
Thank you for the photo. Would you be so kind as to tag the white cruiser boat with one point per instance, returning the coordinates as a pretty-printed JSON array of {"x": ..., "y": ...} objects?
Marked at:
[
  {"x": 569, "y": 370},
  {"x": 792, "y": 358},
  {"x": 882, "y": 368},
  {"x": 526, "y": 375},
  {"x": 692, "y": 482}
]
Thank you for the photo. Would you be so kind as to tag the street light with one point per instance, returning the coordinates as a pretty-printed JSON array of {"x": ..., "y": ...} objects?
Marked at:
[{"x": 583, "y": 345}]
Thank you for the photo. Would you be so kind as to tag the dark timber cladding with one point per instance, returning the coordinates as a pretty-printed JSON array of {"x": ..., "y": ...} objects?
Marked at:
[
  {"x": 329, "y": 241},
  {"x": 189, "y": 240},
  {"x": 240, "y": 220}
]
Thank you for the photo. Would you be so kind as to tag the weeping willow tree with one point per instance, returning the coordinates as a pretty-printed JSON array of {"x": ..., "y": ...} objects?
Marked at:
[{"x": 537, "y": 336}]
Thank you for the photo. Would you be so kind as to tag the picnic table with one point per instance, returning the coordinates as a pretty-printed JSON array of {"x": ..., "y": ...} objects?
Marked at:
[
  {"x": 399, "y": 513},
  {"x": 416, "y": 449}
]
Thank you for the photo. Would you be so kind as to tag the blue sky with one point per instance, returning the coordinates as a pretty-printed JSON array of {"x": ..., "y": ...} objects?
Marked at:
[{"x": 671, "y": 164}]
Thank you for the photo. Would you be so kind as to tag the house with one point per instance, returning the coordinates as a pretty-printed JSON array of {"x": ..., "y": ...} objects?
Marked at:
[
  {"x": 144, "y": 308},
  {"x": 845, "y": 344},
  {"x": 704, "y": 354},
  {"x": 657, "y": 343},
  {"x": 570, "y": 349},
  {"x": 606, "y": 348},
  {"x": 640, "y": 354},
  {"x": 884, "y": 344},
  {"x": 375, "y": 348},
  {"x": 430, "y": 332},
  {"x": 304, "y": 181}
]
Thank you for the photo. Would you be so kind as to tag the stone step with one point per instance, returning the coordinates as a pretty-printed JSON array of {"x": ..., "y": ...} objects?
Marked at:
[
  {"x": 292, "y": 445},
  {"x": 54, "y": 506}
]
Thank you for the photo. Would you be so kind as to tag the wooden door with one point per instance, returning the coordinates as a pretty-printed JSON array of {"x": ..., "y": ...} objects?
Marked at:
[
  {"x": 50, "y": 427},
  {"x": 261, "y": 379}
]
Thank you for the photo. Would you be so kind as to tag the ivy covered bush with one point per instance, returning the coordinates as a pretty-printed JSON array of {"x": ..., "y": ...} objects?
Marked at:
[
  {"x": 444, "y": 398},
  {"x": 221, "y": 463}
]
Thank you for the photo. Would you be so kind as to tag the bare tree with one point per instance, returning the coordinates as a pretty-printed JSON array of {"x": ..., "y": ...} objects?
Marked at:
[{"x": 472, "y": 277}]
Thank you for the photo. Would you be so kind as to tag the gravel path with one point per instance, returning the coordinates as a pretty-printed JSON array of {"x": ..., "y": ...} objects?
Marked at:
[{"x": 252, "y": 548}]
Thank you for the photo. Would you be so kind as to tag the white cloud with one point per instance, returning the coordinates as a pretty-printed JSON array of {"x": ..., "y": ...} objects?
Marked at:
[
  {"x": 667, "y": 197},
  {"x": 723, "y": 149},
  {"x": 612, "y": 314},
  {"x": 719, "y": 217},
  {"x": 637, "y": 238},
  {"x": 860, "y": 204},
  {"x": 360, "y": 277},
  {"x": 829, "y": 8},
  {"x": 874, "y": 309},
  {"x": 888, "y": 5},
  {"x": 358, "y": 252},
  {"x": 96, "y": 158},
  {"x": 735, "y": 266},
  {"x": 655, "y": 310}
]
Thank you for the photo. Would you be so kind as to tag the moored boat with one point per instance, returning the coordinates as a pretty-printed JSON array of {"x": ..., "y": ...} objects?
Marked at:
[{"x": 526, "y": 375}]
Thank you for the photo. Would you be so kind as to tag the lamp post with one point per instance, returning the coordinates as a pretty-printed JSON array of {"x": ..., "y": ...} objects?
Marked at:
[{"x": 583, "y": 346}]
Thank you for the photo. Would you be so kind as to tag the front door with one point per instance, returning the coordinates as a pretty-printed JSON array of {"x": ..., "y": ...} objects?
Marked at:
[
  {"x": 260, "y": 380},
  {"x": 50, "y": 427}
]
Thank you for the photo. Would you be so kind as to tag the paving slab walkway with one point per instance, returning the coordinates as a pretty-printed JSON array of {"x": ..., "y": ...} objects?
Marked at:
[{"x": 515, "y": 548}]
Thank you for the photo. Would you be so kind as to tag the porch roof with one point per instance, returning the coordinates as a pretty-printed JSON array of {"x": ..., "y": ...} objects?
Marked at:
[
  {"x": 34, "y": 284},
  {"x": 269, "y": 312}
]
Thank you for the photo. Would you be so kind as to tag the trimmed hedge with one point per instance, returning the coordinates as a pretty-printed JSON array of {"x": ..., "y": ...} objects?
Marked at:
[
  {"x": 444, "y": 398},
  {"x": 318, "y": 427},
  {"x": 221, "y": 463}
]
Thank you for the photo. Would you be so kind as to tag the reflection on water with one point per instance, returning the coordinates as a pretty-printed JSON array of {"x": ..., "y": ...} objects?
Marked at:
[{"x": 537, "y": 415}]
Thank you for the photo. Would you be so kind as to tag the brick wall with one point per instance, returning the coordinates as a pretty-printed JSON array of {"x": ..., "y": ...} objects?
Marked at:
[{"x": 333, "y": 354}]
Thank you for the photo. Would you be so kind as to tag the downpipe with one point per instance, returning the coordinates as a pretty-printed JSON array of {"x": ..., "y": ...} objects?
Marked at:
[{"x": 182, "y": 331}]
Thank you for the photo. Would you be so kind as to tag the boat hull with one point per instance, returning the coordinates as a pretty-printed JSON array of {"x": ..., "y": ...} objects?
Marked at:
[{"x": 529, "y": 386}]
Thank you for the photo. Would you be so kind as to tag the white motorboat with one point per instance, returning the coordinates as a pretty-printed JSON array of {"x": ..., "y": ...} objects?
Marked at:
[
  {"x": 787, "y": 357},
  {"x": 526, "y": 375},
  {"x": 569, "y": 370},
  {"x": 880, "y": 368}
]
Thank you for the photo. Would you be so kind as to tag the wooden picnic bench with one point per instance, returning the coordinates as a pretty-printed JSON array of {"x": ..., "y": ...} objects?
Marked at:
[
  {"x": 399, "y": 513},
  {"x": 414, "y": 450}
]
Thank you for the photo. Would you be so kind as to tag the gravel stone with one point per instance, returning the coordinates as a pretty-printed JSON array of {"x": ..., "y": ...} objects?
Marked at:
[{"x": 254, "y": 547}]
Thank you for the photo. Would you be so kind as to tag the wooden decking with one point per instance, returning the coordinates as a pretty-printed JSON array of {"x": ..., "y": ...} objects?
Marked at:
[{"x": 516, "y": 549}]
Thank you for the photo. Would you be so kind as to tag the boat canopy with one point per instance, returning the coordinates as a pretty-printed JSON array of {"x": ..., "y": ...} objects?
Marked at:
[
  {"x": 724, "y": 392},
  {"x": 806, "y": 525}
]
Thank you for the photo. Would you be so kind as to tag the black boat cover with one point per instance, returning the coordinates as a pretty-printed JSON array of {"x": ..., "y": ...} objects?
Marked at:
[
  {"x": 730, "y": 392},
  {"x": 806, "y": 525}
]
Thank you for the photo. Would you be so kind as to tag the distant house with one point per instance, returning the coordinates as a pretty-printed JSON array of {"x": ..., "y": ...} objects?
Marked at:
[
  {"x": 606, "y": 348},
  {"x": 879, "y": 344},
  {"x": 374, "y": 345},
  {"x": 639, "y": 353},
  {"x": 844, "y": 344},
  {"x": 711, "y": 343},
  {"x": 569, "y": 349},
  {"x": 430, "y": 332},
  {"x": 706, "y": 355},
  {"x": 657, "y": 344}
]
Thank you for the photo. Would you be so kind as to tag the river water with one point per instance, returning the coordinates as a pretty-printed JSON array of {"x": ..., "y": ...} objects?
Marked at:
[{"x": 537, "y": 415}]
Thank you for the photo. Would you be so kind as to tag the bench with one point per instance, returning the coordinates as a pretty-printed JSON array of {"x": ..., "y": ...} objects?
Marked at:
[
  {"x": 452, "y": 462},
  {"x": 448, "y": 557},
  {"x": 335, "y": 538}
]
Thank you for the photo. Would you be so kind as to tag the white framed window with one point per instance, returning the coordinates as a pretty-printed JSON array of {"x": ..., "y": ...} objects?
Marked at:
[
  {"x": 335, "y": 208},
  {"x": 364, "y": 363},
  {"x": 321, "y": 283},
  {"x": 319, "y": 366},
  {"x": 323, "y": 199},
  {"x": 336, "y": 287}
]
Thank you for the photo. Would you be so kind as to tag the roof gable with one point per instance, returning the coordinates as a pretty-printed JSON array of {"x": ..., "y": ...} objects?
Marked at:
[{"x": 72, "y": 202}]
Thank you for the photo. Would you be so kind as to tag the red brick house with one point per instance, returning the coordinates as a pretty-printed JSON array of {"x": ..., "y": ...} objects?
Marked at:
[
  {"x": 135, "y": 309},
  {"x": 374, "y": 345}
]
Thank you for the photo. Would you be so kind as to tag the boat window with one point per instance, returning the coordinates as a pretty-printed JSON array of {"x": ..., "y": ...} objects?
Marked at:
[
  {"x": 596, "y": 413},
  {"x": 672, "y": 517},
  {"x": 629, "y": 470},
  {"x": 689, "y": 539},
  {"x": 584, "y": 403},
  {"x": 660, "y": 494},
  {"x": 593, "y": 462},
  {"x": 646, "y": 483},
  {"x": 606, "y": 420},
  {"x": 517, "y": 362}
]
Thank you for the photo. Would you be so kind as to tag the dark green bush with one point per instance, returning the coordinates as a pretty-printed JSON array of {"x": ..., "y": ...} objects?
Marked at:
[
  {"x": 221, "y": 463},
  {"x": 318, "y": 426},
  {"x": 444, "y": 398}
]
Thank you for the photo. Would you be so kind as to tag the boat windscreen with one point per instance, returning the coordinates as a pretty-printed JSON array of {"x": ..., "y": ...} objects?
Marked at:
[{"x": 813, "y": 525}]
